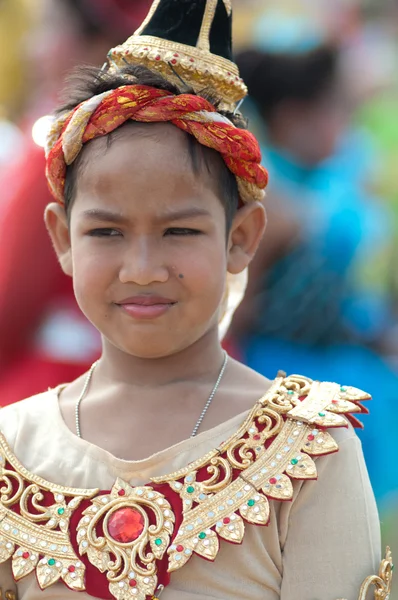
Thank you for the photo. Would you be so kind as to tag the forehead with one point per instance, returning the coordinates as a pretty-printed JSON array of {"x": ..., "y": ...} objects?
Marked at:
[
  {"x": 147, "y": 164},
  {"x": 140, "y": 149}
]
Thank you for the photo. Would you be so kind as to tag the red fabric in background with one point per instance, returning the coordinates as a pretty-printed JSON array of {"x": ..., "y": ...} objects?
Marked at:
[{"x": 30, "y": 280}]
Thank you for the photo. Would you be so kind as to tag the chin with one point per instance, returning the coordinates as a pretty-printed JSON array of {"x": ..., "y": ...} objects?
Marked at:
[
  {"x": 155, "y": 345},
  {"x": 152, "y": 347}
]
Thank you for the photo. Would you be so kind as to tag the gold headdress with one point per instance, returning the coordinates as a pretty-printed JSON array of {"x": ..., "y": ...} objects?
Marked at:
[{"x": 189, "y": 40}]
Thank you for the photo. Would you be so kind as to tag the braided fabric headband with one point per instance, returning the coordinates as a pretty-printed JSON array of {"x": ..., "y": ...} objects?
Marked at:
[{"x": 104, "y": 113}]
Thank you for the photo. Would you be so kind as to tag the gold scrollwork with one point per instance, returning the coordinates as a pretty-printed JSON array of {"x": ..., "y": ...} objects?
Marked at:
[
  {"x": 381, "y": 582},
  {"x": 242, "y": 452},
  {"x": 124, "y": 532},
  {"x": 220, "y": 475},
  {"x": 272, "y": 420},
  {"x": 8, "y": 595},
  {"x": 297, "y": 383},
  {"x": 130, "y": 563},
  {"x": 8, "y": 493}
]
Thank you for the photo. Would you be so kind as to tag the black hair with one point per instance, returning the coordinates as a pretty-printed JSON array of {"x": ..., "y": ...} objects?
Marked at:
[
  {"x": 274, "y": 78},
  {"x": 86, "y": 82}
]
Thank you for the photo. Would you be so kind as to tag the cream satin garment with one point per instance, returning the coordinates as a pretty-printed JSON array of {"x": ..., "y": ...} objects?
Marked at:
[{"x": 321, "y": 546}]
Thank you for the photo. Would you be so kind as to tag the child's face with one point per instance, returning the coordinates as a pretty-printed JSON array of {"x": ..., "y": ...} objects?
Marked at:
[{"x": 148, "y": 250}]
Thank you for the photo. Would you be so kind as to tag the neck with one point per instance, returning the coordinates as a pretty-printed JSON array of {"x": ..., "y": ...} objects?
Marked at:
[{"x": 199, "y": 362}]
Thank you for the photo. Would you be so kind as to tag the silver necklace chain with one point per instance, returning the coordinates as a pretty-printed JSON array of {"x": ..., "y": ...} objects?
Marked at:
[
  {"x": 198, "y": 422},
  {"x": 210, "y": 399}
]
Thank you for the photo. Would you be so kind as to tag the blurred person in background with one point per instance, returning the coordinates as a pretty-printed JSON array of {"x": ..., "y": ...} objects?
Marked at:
[
  {"x": 378, "y": 117},
  {"x": 15, "y": 20},
  {"x": 308, "y": 306},
  {"x": 44, "y": 338}
]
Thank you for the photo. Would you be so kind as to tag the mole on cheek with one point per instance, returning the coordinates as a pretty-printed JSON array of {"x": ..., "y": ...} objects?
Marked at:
[{"x": 181, "y": 276}]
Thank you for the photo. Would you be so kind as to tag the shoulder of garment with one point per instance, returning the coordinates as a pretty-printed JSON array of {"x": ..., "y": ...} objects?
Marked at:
[{"x": 153, "y": 530}]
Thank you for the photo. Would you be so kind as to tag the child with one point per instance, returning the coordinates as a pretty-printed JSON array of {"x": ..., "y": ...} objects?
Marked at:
[{"x": 158, "y": 199}]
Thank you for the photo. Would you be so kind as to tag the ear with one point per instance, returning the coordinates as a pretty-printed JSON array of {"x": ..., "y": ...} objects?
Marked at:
[
  {"x": 57, "y": 226},
  {"x": 246, "y": 232}
]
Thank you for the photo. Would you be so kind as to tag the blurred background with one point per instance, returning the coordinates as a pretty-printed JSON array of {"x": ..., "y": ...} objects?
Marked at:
[{"x": 323, "y": 292}]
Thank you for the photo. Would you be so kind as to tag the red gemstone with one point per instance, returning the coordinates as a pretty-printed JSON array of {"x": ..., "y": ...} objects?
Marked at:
[
  {"x": 192, "y": 60},
  {"x": 133, "y": 583},
  {"x": 335, "y": 401},
  {"x": 311, "y": 437},
  {"x": 180, "y": 548},
  {"x": 126, "y": 525},
  {"x": 273, "y": 481},
  {"x": 226, "y": 521},
  {"x": 302, "y": 398},
  {"x": 174, "y": 62},
  {"x": 122, "y": 492},
  {"x": 25, "y": 555},
  {"x": 158, "y": 57},
  {"x": 72, "y": 569},
  {"x": 176, "y": 54},
  {"x": 257, "y": 437}
]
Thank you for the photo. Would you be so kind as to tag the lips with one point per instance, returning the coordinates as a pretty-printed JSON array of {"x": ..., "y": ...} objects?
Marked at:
[
  {"x": 146, "y": 300},
  {"x": 146, "y": 306}
]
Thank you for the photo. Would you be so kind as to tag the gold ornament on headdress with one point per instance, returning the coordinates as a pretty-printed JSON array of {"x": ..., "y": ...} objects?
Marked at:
[{"x": 196, "y": 65}]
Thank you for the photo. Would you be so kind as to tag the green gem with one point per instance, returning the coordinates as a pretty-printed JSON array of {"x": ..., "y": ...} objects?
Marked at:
[
  {"x": 322, "y": 414},
  {"x": 51, "y": 562},
  {"x": 190, "y": 489},
  {"x": 392, "y": 567},
  {"x": 61, "y": 511},
  {"x": 202, "y": 535},
  {"x": 290, "y": 393},
  {"x": 158, "y": 542},
  {"x": 343, "y": 388},
  {"x": 294, "y": 461},
  {"x": 251, "y": 503}
]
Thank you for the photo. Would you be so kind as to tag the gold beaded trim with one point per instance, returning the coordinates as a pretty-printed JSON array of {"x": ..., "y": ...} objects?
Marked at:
[
  {"x": 214, "y": 507},
  {"x": 199, "y": 69},
  {"x": 149, "y": 16},
  {"x": 204, "y": 35},
  {"x": 38, "y": 540},
  {"x": 218, "y": 506}
]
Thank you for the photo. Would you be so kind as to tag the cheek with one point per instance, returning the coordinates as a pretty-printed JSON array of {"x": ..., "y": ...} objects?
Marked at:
[
  {"x": 93, "y": 271},
  {"x": 204, "y": 274}
]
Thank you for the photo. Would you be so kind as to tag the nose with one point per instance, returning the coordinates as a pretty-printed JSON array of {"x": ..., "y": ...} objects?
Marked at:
[{"x": 143, "y": 263}]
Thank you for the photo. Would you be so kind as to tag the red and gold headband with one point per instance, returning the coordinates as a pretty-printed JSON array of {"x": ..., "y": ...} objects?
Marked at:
[{"x": 104, "y": 113}]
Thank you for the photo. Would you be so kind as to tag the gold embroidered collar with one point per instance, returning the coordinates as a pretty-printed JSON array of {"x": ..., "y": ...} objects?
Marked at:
[{"x": 124, "y": 543}]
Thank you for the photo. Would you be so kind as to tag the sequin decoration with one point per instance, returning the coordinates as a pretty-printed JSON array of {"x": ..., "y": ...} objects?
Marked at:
[{"x": 218, "y": 495}]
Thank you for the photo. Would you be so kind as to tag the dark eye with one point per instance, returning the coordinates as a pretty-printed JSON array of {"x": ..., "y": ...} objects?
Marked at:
[
  {"x": 182, "y": 231},
  {"x": 104, "y": 232}
]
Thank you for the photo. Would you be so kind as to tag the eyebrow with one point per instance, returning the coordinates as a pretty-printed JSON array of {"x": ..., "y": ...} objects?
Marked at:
[{"x": 97, "y": 214}]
